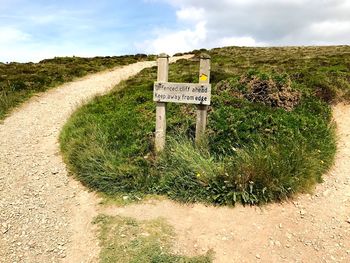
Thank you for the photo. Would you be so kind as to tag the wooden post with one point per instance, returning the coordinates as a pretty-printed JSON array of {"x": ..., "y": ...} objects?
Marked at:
[
  {"x": 162, "y": 76},
  {"x": 204, "y": 77}
]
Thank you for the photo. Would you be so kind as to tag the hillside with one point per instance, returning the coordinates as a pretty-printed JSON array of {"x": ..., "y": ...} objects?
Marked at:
[
  {"x": 19, "y": 81},
  {"x": 258, "y": 149}
]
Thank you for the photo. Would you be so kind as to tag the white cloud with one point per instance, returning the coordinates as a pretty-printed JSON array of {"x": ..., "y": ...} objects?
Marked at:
[
  {"x": 239, "y": 41},
  {"x": 192, "y": 36},
  {"x": 195, "y": 36},
  {"x": 44, "y": 19},
  {"x": 331, "y": 29},
  {"x": 16, "y": 45},
  {"x": 191, "y": 14},
  {"x": 257, "y": 23},
  {"x": 10, "y": 35},
  {"x": 171, "y": 42}
]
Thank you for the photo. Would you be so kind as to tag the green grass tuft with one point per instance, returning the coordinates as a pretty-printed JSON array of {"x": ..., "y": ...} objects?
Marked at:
[{"x": 125, "y": 240}]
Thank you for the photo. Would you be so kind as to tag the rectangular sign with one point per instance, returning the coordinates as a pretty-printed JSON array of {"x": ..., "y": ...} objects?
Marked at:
[{"x": 194, "y": 93}]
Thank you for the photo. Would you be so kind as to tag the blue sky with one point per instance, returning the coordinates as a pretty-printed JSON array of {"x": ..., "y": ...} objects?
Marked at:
[{"x": 37, "y": 29}]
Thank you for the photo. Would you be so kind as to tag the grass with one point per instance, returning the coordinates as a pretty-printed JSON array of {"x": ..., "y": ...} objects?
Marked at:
[
  {"x": 128, "y": 240},
  {"x": 19, "y": 81},
  {"x": 257, "y": 149},
  {"x": 123, "y": 199}
]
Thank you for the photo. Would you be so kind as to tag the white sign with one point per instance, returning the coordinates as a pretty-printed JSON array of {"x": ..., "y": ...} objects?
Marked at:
[{"x": 194, "y": 93}]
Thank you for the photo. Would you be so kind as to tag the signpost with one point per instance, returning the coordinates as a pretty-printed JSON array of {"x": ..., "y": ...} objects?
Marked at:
[
  {"x": 193, "y": 93},
  {"x": 182, "y": 92}
]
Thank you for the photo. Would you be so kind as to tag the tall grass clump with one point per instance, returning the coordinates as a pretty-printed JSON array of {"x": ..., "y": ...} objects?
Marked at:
[
  {"x": 254, "y": 174},
  {"x": 185, "y": 170}
]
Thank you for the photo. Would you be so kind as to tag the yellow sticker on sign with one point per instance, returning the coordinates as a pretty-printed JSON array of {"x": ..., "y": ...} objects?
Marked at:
[{"x": 203, "y": 77}]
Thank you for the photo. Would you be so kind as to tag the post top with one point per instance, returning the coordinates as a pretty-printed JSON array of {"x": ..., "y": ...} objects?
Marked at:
[
  {"x": 205, "y": 56},
  {"x": 163, "y": 55}
]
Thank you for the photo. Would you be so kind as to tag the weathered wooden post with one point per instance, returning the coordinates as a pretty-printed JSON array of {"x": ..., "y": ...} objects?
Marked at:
[
  {"x": 204, "y": 77},
  {"x": 194, "y": 93},
  {"x": 162, "y": 76}
]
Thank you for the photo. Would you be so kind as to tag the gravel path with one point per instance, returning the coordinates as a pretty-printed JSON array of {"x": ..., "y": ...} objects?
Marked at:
[
  {"x": 310, "y": 228},
  {"x": 45, "y": 216}
]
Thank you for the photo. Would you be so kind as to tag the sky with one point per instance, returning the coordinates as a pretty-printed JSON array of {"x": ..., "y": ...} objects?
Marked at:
[{"x": 32, "y": 30}]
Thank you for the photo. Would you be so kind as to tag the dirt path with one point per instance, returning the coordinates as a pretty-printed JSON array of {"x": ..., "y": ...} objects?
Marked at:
[
  {"x": 311, "y": 228},
  {"x": 45, "y": 216}
]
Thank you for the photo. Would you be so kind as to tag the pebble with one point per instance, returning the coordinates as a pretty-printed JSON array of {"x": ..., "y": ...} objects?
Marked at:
[
  {"x": 302, "y": 213},
  {"x": 277, "y": 243}
]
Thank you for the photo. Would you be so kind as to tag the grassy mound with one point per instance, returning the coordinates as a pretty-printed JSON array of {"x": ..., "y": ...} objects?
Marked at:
[
  {"x": 19, "y": 81},
  {"x": 270, "y": 133}
]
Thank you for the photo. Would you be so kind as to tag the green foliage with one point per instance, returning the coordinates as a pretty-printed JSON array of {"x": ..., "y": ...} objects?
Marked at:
[
  {"x": 186, "y": 171},
  {"x": 115, "y": 141},
  {"x": 255, "y": 152},
  {"x": 253, "y": 173},
  {"x": 125, "y": 240},
  {"x": 19, "y": 81}
]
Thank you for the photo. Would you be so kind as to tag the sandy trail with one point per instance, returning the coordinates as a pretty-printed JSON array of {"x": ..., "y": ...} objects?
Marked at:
[
  {"x": 45, "y": 216},
  {"x": 310, "y": 228}
]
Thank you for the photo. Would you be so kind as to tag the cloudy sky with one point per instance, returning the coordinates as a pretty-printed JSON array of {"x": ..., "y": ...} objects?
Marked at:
[{"x": 31, "y": 30}]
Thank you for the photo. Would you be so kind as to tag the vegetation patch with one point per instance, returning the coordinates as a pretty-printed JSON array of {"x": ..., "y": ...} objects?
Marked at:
[
  {"x": 125, "y": 240},
  {"x": 19, "y": 81},
  {"x": 270, "y": 133},
  {"x": 274, "y": 91}
]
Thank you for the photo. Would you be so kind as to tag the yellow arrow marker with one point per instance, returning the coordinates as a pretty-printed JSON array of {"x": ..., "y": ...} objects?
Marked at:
[{"x": 203, "y": 77}]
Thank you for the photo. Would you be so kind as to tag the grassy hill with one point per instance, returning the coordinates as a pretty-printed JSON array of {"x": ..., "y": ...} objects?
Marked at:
[
  {"x": 270, "y": 133},
  {"x": 19, "y": 81}
]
